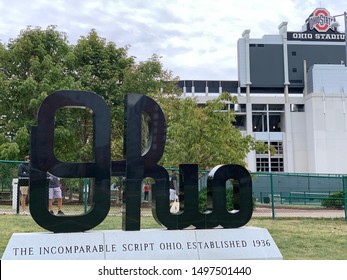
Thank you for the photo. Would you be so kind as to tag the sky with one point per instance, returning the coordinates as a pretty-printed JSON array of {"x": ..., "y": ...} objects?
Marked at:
[{"x": 196, "y": 39}]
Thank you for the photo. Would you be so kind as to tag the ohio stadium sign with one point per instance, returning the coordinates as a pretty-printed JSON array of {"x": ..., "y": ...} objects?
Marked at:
[{"x": 319, "y": 27}]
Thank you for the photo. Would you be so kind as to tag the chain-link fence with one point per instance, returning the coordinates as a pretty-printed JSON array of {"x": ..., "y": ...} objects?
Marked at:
[
  {"x": 275, "y": 194},
  {"x": 300, "y": 195}
]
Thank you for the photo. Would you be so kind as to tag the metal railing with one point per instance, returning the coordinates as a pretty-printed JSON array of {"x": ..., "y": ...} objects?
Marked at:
[
  {"x": 303, "y": 195},
  {"x": 275, "y": 194}
]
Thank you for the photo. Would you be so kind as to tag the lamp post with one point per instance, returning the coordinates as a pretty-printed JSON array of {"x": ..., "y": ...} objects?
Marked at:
[{"x": 336, "y": 24}]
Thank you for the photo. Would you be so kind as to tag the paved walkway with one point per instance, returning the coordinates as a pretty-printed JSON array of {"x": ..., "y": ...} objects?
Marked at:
[
  {"x": 295, "y": 212},
  {"x": 258, "y": 212}
]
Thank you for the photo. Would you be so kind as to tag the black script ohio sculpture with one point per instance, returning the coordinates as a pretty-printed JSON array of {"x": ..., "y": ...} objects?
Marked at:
[{"x": 134, "y": 168}]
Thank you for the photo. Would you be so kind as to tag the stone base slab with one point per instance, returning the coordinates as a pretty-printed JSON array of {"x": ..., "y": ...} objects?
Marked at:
[{"x": 243, "y": 243}]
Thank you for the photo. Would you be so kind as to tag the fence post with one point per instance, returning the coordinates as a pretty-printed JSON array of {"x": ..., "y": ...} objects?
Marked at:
[
  {"x": 272, "y": 197},
  {"x": 85, "y": 194},
  {"x": 15, "y": 195},
  {"x": 18, "y": 198},
  {"x": 344, "y": 182}
]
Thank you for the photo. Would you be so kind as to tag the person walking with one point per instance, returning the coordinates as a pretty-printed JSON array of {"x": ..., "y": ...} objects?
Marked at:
[
  {"x": 174, "y": 191},
  {"x": 55, "y": 193},
  {"x": 146, "y": 192}
]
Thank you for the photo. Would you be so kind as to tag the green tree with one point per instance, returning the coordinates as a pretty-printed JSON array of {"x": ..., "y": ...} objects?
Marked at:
[
  {"x": 203, "y": 135},
  {"x": 31, "y": 66},
  {"x": 39, "y": 62}
]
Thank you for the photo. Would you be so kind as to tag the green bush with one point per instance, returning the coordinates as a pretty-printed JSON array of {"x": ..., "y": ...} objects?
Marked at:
[{"x": 334, "y": 200}]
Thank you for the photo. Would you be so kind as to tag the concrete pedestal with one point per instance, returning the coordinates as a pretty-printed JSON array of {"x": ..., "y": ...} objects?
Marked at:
[{"x": 153, "y": 244}]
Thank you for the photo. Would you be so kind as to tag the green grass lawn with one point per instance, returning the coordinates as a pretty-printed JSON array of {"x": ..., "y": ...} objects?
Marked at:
[{"x": 297, "y": 239}]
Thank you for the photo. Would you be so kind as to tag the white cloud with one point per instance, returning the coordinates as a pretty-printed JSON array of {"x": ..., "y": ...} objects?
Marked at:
[{"x": 197, "y": 38}]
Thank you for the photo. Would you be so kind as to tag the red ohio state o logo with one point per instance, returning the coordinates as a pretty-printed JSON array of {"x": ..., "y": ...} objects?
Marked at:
[
  {"x": 321, "y": 20},
  {"x": 321, "y": 25}
]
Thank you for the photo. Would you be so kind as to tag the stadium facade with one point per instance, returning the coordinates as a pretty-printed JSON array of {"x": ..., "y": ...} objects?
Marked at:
[{"x": 292, "y": 91}]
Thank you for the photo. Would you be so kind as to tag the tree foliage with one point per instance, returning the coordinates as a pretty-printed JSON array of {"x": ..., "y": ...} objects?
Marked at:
[
  {"x": 39, "y": 62},
  {"x": 203, "y": 135}
]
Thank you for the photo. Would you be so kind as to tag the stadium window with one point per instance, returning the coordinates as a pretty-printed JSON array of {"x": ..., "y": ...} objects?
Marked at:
[
  {"x": 240, "y": 122},
  {"x": 258, "y": 107},
  {"x": 297, "y": 107},
  {"x": 259, "y": 122}
]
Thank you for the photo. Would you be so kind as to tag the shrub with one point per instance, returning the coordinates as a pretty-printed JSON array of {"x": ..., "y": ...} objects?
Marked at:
[{"x": 334, "y": 200}]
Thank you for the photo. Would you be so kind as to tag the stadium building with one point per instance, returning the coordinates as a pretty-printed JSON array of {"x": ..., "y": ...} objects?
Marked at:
[{"x": 292, "y": 91}]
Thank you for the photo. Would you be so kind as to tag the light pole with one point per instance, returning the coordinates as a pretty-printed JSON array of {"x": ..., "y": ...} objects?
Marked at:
[{"x": 337, "y": 24}]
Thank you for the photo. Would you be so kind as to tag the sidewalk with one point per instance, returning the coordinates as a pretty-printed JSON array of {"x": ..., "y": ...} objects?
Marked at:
[{"x": 295, "y": 212}]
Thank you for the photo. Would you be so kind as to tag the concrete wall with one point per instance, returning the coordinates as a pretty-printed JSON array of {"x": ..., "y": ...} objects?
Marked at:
[
  {"x": 326, "y": 133},
  {"x": 297, "y": 157}
]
